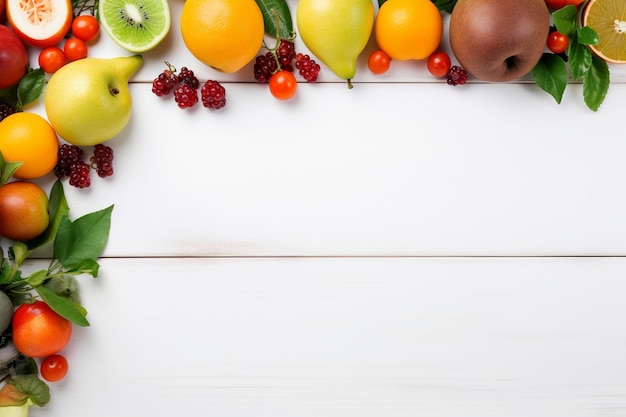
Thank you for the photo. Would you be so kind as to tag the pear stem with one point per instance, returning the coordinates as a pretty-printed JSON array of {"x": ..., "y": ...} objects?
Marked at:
[{"x": 349, "y": 84}]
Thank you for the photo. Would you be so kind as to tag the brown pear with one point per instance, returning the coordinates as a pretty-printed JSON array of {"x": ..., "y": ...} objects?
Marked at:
[{"x": 499, "y": 40}]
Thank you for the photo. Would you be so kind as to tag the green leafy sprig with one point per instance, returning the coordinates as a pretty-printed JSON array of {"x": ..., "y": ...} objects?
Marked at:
[{"x": 552, "y": 74}]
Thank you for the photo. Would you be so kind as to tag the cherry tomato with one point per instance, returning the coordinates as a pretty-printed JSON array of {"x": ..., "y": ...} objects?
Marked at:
[
  {"x": 559, "y": 4},
  {"x": 39, "y": 331},
  {"x": 75, "y": 49},
  {"x": 557, "y": 42},
  {"x": 379, "y": 62},
  {"x": 85, "y": 27},
  {"x": 51, "y": 59},
  {"x": 283, "y": 85},
  {"x": 439, "y": 64},
  {"x": 54, "y": 368}
]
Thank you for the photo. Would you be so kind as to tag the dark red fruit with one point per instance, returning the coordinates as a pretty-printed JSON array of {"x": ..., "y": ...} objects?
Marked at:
[
  {"x": 186, "y": 76},
  {"x": 213, "y": 95},
  {"x": 264, "y": 67},
  {"x": 102, "y": 160},
  {"x": 286, "y": 52},
  {"x": 68, "y": 155},
  {"x": 79, "y": 175},
  {"x": 308, "y": 68},
  {"x": 457, "y": 75},
  {"x": 185, "y": 96},
  {"x": 5, "y": 111}
]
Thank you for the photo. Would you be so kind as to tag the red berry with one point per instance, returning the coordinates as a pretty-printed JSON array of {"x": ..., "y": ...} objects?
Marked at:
[
  {"x": 79, "y": 175},
  {"x": 308, "y": 68},
  {"x": 185, "y": 96},
  {"x": 102, "y": 160},
  {"x": 213, "y": 95},
  {"x": 264, "y": 67},
  {"x": 68, "y": 155},
  {"x": 186, "y": 76},
  {"x": 457, "y": 75}
]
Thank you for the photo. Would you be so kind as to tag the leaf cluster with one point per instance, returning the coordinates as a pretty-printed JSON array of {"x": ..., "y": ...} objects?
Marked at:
[
  {"x": 27, "y": 91},
  {"x": 553, "y": 72}
]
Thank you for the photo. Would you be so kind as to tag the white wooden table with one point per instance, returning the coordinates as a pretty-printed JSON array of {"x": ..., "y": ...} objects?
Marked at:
[{"x": 404, "y": 248}]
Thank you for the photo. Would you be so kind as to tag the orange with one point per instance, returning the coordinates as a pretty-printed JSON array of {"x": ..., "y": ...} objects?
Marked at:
[
  {"x": 24, "y": 211},
  {"x": 608, "y": 19},
  {"x": 38, "y": 331},
  {"x": 408, "y": 29},
  {"x": 29, "y": 138},
  {"x": 223, "y": 34}
]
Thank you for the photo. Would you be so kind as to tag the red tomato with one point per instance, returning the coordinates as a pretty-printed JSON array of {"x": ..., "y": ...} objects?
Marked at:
[
  {"x": 557, "y": 42},
  {"x": 85, "y": 27},
  {"x": 51, "y": 59},
  {"x": 283, "y": 85},
  {"x": 559, "y": 4},
  {"x": 75, "y": 49},
  {"x": 379, "y": 62},
  {"x": 38, "y": 331},
  {"x": 54, "y": 368},
  {"x": 439, "y": 64}
]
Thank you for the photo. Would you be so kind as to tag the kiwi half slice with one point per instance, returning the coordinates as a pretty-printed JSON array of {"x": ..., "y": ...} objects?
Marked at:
[{"x": 135, "y": 25}]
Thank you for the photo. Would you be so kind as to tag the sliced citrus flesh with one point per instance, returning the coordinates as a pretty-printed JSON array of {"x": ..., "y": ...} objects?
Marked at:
[
  {"x": 135, "y": 25},
  {"x": 608, "y": 19}
]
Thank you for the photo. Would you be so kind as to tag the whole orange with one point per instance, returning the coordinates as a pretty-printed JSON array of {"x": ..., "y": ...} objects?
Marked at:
[
  {"x": 29, "y": 138},
  {"x": 23, "y": 210},
  {"x": 223, "y": 34},
  {"x": 39, "y": 331},
  {"x": 408, "y": 29},
  {"x": 559, "y": 4}
]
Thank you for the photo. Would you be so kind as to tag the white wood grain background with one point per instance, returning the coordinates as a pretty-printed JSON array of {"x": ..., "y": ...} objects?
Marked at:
[{"x": 403, "y": 248}]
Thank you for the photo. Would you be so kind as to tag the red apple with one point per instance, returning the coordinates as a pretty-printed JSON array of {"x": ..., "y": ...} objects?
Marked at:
[{"x": 13, "y": 58}]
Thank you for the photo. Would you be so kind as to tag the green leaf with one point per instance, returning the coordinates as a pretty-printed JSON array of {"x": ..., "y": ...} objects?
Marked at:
[
  {"x": 564, "y": 20},
  {"x": 587, "y": 36},
  {"x": 58, "y": 208},
  {"x": 24, "y": 388},
  {"x": 7, "y": 169},
  {"x": 87, "y": 266},
  {"x": 30, "y": 87},
  {"x": 9, "y": 95},
  {"x": 442, "y": 5},
  {"x": 37, "y": 278},
  {"x": 550, "y": 74},
  {"x": 579, "y": 58},
  {"x": 276, "y": 18},
  {"x": 596, "y": 83},
  {"x": 64, "y": 307},
  {"x": 82, "y": 239}
]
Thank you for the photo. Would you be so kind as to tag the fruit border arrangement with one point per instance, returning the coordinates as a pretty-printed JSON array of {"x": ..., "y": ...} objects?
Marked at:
[{"x": 560, "y": 40}]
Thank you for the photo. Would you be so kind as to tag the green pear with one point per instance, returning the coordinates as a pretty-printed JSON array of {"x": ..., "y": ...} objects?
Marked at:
[
  {"x": 336, "y": 31},
  {"x": 88, "y": 101}
]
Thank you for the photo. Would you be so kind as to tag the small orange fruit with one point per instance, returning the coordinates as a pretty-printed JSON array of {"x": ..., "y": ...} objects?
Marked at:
[
  {"x": 29, "y": 138},
  {"x": 408, "y": 29},
  {"x": 39, "y": 331},
  {"x": 23, "y": 210},
  {"x": 40, "y": 23},
  {"x": 223, "y": 34},
  {"x": 608, "y": 19}
]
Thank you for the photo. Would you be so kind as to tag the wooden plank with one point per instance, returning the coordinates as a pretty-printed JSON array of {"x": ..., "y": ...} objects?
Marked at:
[{"x": 359, "y": 337}]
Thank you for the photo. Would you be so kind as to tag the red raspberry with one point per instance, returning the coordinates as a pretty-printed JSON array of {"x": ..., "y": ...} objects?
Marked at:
[
  {"x": 457, "y": 75},
  {"x": 264, "y": 67},
  {"x": 185, "y": 96},
  {"x": 286, "y": 52},
  {"x": 308, "y": 68},
  {"x": 213, "y": 95},
  {"x": 67, "y": 156},
  {"x": 102, "y": 160},
  {"x": 164, "y": 83},
  {"x": 79, "y": 176},
  {"x": 186, "y": 76}
]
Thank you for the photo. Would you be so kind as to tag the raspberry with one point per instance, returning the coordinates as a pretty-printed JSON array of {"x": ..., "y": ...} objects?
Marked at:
[
  {"x": 308, "y": 68},
  {"x": 185, "y": 96},
  {"x": 68, "y": 155},
  {"x": 457, "y": 75},
  {"x": 186, "y": 76},
  {"x": 213, "y": 95},
  {"x": 264, "y": 67},
  {"x": 102, "y": 160},
  {"x": 79, "y": 176},
  {"x": 165, "y": 82},
  {"x": 5, "y": 111},
  {"x": 286, "y": 52}
]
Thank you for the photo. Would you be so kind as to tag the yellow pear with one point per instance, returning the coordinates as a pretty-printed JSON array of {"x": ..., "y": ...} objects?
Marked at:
[
  {"x": 88, "y": 101},
  {"x": 336, "y": 31}
]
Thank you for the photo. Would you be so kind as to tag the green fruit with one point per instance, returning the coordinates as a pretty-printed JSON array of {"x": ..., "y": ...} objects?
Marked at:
[
  {"x": 88, "y": 101},
  {"x": 135, "y": 25},
  {"x": 336, "y": 31}
]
